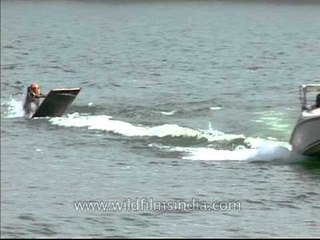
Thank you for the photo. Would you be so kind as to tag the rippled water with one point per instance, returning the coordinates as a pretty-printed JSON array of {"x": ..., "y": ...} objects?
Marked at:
[{"x": 180, "y": 100}]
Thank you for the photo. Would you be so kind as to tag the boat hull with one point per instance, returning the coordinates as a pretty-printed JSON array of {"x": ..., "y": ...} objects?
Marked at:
[{"x": 305, "y": 138}]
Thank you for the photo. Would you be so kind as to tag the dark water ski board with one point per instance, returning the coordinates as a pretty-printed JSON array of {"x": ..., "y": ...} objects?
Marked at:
[{"x": 56, "y": 102}]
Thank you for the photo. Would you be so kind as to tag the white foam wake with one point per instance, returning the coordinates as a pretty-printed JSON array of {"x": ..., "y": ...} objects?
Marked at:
[
  {"x": 260, "y": 150},
  {"x": 12, "y": 107},
  {"x": 106, "y": 123},
  {"x": 168, "y": 113}
]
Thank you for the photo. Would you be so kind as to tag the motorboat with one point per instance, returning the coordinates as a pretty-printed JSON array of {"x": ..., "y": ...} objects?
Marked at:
[{"x": 305, "y": 138}]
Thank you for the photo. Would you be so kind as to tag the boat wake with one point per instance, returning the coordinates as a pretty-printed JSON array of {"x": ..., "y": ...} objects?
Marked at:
[
  {"x": 214, "y": 145},
  {"x": 267, "y": 151},
  {"x": 188, "y": 143}
]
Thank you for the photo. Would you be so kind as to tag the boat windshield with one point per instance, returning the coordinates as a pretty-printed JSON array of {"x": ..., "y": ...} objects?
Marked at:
[{"x": 308, "y": 94}]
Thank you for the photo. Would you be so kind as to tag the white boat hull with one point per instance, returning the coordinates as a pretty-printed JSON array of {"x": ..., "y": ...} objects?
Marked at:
[{"x": 305, "y": 138}]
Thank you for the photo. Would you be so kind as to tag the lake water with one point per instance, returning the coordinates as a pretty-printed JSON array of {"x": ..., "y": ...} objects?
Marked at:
[{"x": 183, "y": 104}]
